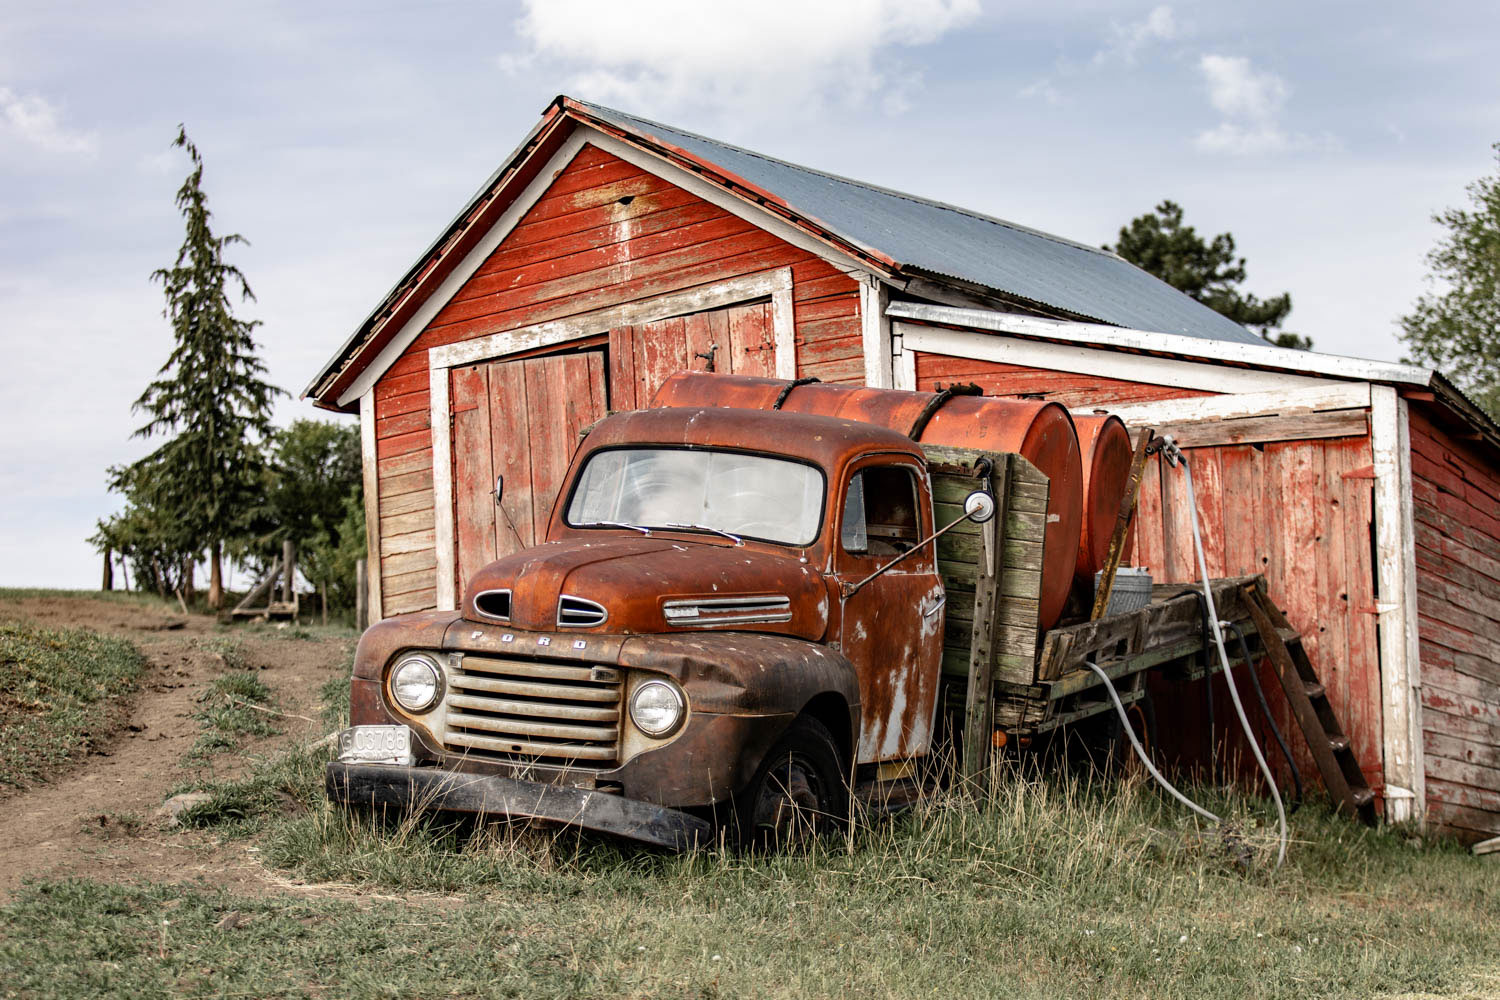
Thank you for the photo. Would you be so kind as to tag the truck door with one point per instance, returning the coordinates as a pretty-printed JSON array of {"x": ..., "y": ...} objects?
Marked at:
[{"x": 891, "y": 630}]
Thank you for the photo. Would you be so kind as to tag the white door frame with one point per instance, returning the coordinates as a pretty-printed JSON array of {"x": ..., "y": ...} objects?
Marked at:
[{"x": 775, "y": 285}]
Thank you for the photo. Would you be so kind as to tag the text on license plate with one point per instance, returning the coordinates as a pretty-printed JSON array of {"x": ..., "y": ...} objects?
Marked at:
[{"x": 376, "y": 744}]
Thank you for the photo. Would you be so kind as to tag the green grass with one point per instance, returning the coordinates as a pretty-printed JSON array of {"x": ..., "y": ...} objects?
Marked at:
[
  {"x": 1043, "y": 886},
  {"x": 131, "y": 597},
  {"x": 232, "y": 711},
  {"x": 1049, "y": 888},
  {"x": 288, "y": 781},
  {"x": 227, "y": 648},
  {"x": 55, "y": 697}
]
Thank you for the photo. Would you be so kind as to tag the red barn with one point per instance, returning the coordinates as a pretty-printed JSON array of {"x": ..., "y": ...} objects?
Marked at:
[{"x": 608, "y": 252}]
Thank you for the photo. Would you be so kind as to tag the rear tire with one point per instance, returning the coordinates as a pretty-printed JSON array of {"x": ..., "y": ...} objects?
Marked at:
[{"x": 799, "y": 792}]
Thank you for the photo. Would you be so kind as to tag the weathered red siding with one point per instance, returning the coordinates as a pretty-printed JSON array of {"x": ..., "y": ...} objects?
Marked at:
[
  {"x": 1298, "y": 511},
  {"x": 605, "y": 233},
  {"x": 1068, "y": 388},
  {"x": 1456, "y": 516}
]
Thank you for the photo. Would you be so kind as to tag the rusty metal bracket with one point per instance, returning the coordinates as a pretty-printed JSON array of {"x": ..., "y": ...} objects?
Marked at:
[
  {"x": 919, "y": 425},
  {"x": 786, "y": 390}
]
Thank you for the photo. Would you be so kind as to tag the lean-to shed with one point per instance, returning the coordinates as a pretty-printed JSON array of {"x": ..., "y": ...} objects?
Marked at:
[{"x": 608, "y": 252}]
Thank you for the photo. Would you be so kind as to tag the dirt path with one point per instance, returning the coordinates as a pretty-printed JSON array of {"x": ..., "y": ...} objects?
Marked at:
[{"x": 72, "y": 825}]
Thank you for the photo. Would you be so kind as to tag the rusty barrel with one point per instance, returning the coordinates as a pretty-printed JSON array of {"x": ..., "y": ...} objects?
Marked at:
[
  {"x": 1105, "y": 444},
  {"x": 1040, "y": 431}
]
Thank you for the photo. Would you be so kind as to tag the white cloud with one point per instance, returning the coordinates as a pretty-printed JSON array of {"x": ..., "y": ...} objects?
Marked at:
[
  {"x": 1127, "y": 40},
  {"x": 34, "y": 121},
  {"x": 1251, "y": 102},
  {"x": 1238, "y": 91},
  {"x": 1042, "y": 90},
  {"x": 663, "y": 55}
]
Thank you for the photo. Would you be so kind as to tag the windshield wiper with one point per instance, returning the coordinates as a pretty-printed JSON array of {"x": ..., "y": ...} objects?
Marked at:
[
  {"x": 617, "y": 524},
  {"x": 736, "y": 539}
]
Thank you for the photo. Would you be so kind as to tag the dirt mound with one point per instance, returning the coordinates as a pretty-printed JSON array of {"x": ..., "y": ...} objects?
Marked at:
[{"x": 96, "y": 820}]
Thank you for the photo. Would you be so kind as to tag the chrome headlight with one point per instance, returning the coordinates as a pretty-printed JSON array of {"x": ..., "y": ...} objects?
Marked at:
[
  {"x": 657, "y": 708},
  {"x": 416, "y": 682}
]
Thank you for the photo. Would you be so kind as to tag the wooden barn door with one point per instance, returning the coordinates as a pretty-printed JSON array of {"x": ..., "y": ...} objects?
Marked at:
[
  {"x": 739, "y": 339},
  {"x": 520, "y": 420}
]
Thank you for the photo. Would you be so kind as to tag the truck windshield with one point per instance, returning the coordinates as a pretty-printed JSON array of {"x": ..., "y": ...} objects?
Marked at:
[{"x": 752, "y": 495}]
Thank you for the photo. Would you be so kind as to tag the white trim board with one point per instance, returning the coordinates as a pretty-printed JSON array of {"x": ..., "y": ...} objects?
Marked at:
[
  {"x": 443, "y": 539},
  {"x": 1396, "y": 604},
  {"x": 875, "y": 330},
  {"x": 370, "y": 466},
  {"x": 1327, "y": 396},
  {"x": 1101, "y": 335},
  {"x": 1093, "y": 361},
  {"x": 775, "y": 285}
]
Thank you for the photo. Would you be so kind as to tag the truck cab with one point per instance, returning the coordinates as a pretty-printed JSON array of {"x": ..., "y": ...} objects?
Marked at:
[{"x": 736, "y": 615}]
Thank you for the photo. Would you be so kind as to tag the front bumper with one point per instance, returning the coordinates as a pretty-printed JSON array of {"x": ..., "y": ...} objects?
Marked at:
[{"x": 438, "y": 789}]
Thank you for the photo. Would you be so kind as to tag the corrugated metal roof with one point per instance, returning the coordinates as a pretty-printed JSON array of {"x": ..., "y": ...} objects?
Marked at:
[{"x": 939, "y": 239}]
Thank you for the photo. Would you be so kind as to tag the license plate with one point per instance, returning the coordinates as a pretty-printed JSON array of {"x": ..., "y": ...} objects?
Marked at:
[{"x": 376, "y": 745}]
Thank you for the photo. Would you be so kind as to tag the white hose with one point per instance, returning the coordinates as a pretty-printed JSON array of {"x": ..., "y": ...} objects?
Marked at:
[
  {"x": 1140, "y": 751},
  {"x": 1234, "y": 694}
]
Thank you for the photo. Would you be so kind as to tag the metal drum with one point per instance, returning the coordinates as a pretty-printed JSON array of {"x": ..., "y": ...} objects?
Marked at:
[
  {"x": 1107, "y": 454},
  {"x": 1040, "y": 431}
]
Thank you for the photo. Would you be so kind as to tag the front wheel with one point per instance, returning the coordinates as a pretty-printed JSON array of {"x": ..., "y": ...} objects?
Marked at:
[{"x": 798, "y": 792}]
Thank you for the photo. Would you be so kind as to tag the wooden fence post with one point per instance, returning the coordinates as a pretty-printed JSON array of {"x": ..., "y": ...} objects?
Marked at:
[
  {"x": 108, "y": 583},
  {"x": 289, "y": 569},
  {"x": 361, "y": 596}
]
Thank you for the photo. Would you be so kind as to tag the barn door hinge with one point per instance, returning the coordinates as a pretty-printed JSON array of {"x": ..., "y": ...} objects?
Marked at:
[{"x": 1364, "y": 472}]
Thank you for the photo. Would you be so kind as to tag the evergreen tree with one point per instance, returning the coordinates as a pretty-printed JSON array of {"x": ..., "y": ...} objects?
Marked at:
[
  {"x": 209, "y": 395},
  {"x": 1158, "y": 242},
  {"x": 1458, "y": 328}
]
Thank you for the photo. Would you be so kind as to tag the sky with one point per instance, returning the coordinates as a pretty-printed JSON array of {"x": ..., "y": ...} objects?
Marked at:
[{"x": 339, "y": 139}]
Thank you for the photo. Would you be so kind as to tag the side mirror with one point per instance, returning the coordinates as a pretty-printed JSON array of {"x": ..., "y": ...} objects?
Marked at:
[
  {"x": 979, "y": 506},
  {"x": 499, "y": 489}
]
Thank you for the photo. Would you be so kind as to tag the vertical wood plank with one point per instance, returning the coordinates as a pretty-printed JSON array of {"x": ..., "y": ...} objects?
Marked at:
[
  {"x": 697, "y": 339},
  {"x": 718, "y": 329},
  {"x": 622, "y": 368},
  {"x": 661, "y": 350},
  {"x": 1148, "y": 522},
  {"x": 979, "y": 705},
  {"x": 473, "y": 470},
  {"x": 1332, "y": 588},
  {"x": 510, "y": 442},
  {"x": 750, "y": 345}
]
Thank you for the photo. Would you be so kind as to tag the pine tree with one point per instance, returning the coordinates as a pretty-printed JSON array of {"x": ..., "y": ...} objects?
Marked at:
[
  {"x": 1158, "y": 242},
  {"x": 1457, "y": 326},
  {"x": 209, "y": 395}
]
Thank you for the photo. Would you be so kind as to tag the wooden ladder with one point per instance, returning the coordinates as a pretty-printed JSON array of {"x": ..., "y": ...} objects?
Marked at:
[{"x": 1309, "y": 700}]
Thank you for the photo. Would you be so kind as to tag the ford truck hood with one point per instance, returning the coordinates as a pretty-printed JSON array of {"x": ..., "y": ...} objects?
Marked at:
[{"x": 654, "y": 584}]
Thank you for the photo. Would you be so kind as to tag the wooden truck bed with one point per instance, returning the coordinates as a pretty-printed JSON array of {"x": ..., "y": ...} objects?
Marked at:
[{"x": 1003, "y": 672}]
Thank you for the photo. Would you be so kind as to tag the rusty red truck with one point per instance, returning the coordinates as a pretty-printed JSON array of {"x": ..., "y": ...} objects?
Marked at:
[
  {"x": 755, "y": 601},
  {"x": 738, "y": 614}
]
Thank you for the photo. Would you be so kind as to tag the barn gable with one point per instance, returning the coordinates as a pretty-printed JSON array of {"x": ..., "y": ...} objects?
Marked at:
[{"x": 605, "y": 249}]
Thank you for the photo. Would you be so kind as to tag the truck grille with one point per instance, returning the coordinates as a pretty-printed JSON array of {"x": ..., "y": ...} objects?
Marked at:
[{"x": 526, "y": 711}]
